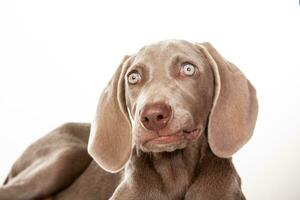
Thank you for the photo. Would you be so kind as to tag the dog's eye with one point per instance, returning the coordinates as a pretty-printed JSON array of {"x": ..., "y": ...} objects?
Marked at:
[
  {"x": 134, "y": 77},
  {"x": 188, "y": 69}
]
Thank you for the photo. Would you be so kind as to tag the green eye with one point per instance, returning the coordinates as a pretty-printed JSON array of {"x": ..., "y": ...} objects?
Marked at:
[
  {"x": 134, "y": 78},
  {"x": 188, "y": 69}
]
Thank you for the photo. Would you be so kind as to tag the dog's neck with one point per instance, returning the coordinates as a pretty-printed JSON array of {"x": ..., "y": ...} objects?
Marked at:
[{"x": 172, "y": 169}]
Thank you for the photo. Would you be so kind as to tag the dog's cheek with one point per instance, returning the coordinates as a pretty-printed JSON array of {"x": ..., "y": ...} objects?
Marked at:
[
  {"x": 182, "y": 118},
  {"x": 135, "y": 136},
  {"x": 138, "y": 134}
]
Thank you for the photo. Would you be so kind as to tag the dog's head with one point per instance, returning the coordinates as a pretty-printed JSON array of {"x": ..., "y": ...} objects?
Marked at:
[{"x": 165, "y": 96}]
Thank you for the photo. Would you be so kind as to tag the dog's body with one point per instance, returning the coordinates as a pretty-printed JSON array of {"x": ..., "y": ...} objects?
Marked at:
[
  {"x": 32, "y": 177},
  {"x": 171, "y": 144}
]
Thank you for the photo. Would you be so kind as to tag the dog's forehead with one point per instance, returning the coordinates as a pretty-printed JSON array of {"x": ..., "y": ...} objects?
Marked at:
[{"x": 161, "y": 52}]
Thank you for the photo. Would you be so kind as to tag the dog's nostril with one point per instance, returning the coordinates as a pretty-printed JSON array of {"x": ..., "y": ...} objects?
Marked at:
[
  {"x": 159, "y": 117},
  {"x": 146, "y": 119}
]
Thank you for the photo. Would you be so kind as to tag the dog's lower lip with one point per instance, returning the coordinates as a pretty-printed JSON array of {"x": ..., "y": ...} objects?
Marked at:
[
  {"x": 192, "y": 134},
  {"x": 180, "y": 135}
]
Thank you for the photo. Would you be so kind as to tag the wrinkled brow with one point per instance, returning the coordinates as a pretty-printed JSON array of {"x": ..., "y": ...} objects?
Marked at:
[
  {"x": 137, "y": 66},
  {"x": 185, "y": 59}
]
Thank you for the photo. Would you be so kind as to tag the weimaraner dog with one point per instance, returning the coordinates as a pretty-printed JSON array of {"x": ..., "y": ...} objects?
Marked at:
[{"x": 165, "y": 128}]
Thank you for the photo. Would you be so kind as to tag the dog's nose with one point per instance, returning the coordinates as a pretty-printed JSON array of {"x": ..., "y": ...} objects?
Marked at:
[{"x": 155, "y": 116}]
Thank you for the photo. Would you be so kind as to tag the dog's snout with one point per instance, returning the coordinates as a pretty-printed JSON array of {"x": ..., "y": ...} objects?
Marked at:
[{"x": 155, "y": 116}]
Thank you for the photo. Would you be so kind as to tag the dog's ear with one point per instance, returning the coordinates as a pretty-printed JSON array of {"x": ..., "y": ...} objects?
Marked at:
[
  {"x": 110, "y": 138},
  {"x": 234, "y": 111}
]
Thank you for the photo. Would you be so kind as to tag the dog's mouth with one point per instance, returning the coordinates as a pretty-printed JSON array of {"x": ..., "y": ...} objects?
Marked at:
[{"x": 175, "y": 138}]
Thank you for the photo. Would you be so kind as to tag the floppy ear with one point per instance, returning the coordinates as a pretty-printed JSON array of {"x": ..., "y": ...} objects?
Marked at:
[
  {"x": 110, "y": 137},
  {"x": 234, "y": 111}
]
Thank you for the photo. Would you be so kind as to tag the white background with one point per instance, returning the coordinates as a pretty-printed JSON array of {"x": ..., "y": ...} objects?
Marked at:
[{"x": 56, "y": 57}]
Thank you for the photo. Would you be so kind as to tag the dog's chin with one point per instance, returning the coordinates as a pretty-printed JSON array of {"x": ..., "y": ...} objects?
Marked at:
[{"x": 169, "y": 143}]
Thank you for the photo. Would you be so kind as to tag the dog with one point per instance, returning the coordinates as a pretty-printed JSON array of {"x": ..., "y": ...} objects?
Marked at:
[{"x": 166, "y": 127}]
